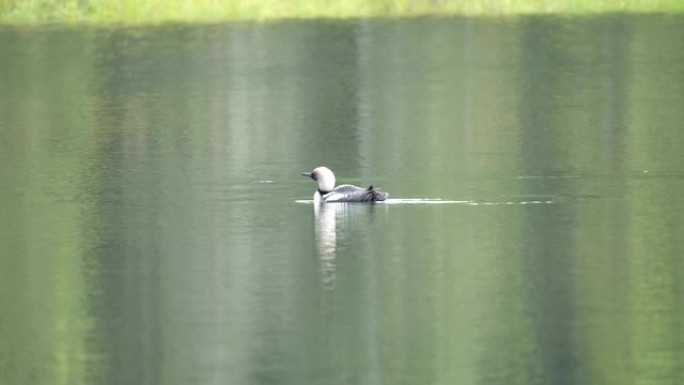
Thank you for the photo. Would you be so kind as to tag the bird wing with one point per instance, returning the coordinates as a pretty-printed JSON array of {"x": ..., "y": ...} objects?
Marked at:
[{"x": 350, "y": 193}]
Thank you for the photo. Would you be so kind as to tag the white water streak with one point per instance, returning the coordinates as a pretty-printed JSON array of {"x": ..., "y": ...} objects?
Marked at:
[{"x": 441, "y": 202}]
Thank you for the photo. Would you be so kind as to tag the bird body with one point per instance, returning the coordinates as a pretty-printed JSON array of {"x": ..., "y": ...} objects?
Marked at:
[{"x": 327, "y": 192}]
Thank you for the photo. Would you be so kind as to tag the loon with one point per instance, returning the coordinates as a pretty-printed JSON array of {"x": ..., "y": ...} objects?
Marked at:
[{"x": 327, "y": 192}]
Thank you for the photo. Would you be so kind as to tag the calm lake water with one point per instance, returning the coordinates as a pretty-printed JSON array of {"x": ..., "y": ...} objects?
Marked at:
[{"x": 152, "y": 228}]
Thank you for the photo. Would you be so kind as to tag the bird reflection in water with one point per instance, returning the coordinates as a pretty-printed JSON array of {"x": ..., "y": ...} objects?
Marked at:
[
  {"x": 338, "y": 225},
  {"x": 325, "y": 217}
]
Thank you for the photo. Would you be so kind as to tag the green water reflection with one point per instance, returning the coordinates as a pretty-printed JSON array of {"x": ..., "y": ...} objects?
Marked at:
[{"x": 150, "y": 233}]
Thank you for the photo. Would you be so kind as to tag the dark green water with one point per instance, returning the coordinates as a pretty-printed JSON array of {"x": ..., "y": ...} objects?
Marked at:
[{"x": 150, "y": 234}]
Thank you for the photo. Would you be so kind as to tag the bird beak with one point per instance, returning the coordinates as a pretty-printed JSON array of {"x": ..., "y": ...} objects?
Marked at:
[{"x": 307, "y": 174}]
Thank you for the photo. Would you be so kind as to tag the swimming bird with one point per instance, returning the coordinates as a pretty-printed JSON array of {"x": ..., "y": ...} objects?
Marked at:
[{"x": 327, "y": 192}]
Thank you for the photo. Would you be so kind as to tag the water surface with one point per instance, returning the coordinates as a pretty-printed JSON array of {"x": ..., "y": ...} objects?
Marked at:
[{"x": 152, "y": 233}]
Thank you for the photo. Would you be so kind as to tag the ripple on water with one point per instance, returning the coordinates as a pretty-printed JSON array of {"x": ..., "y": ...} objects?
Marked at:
[{"x": 442, "y": 201}]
